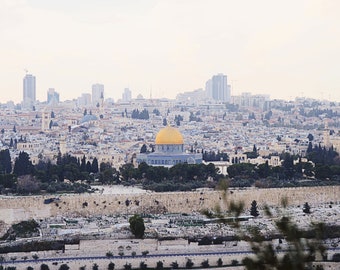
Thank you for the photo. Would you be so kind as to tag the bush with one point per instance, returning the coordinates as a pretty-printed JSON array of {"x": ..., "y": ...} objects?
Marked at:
[{"x": 336, "y": 257}]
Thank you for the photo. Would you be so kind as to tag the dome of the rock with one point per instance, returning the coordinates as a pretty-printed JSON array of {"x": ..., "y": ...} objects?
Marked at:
[{"x": 169, "y": 135}]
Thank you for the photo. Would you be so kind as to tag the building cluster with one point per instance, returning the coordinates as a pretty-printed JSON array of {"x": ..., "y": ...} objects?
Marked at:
[{"x": 93, "y": 126}]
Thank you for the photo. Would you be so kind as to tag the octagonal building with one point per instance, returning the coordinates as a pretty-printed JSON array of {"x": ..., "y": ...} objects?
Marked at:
[{"x": 169, "y": 150}]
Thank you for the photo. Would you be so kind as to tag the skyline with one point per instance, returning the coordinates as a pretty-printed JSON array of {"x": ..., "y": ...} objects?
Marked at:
[{"x": 168, "y": 47}]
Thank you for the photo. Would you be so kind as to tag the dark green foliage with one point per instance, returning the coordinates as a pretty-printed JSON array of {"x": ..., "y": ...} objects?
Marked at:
[
  {"x": 137, "y": 226},
  {"x": 322, "y": 156},
  {"x": 212, "y": 156},
  {"x": 5, "y": 162},
  {"x": 143, "y": 149},
  {"x": 44, "y": 267},
  {"x": 156, "y": 112},
  {"x": 174, "y": 265},
  {"x": 64, "y": 267},
  {"x": 159, "y": 265},
  {"x": 127, "y": 266},
  {"x": 245, "y": 170},
  {"x": 23, "y": 229},
  {"x": 306, "y": 208},
  {"x": 143, "y": 266},
  {"x": 253, "y": 209},
  {"x": 235, "y": 262},
  {"x": 310, "y": 137},
  {"x": 189, "y": 264},
  {"x": 136, "y": 114},
  {"x": 111, "y": 266},
  {"x": 297, "y": 255},
  {"x": 219, "y": 262},
  {"x": 109, "y": 254},
  {"x": 23, "y": 165},
  {"x": 179, "y": 177},
  {"x": 336, "y": 257},
  {"x": 194, "y": 118},
  {"x": 7, "y": 181},
  {"x": 37, "y": 246},
  {"x": 94, "y": 166},
  {"x": 95, "y": 266},
  {"x": 205, "y": 264}
]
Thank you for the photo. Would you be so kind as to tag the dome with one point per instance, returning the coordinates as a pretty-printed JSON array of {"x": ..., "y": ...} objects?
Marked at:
[
  {"x": 88, "y": 118},
  {"x": 169, "y": 135}
]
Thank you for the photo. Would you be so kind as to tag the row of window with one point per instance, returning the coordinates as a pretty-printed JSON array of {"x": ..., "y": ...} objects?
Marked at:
[
  {"x": 168, "y": 147},
  {"x": 164, "y": 162}
]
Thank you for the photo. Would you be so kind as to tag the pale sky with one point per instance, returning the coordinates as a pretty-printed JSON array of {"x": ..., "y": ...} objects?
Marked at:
[{"x": 283, "y": 48}]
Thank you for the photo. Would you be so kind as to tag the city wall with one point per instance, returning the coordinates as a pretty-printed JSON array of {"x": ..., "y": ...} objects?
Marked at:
[{"x": 13, "y": 209}]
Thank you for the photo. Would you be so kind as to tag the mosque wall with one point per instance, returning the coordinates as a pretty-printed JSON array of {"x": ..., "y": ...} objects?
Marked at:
[{"x": 13, "y": 209}]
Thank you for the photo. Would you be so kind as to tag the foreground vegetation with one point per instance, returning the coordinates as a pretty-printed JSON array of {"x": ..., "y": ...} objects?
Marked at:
[{"x": 70, "y": 174}]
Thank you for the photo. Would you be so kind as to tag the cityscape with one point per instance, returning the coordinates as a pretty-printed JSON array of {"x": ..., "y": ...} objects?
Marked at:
[
  {"x": 165, "y": 134},
  {"x": 80, "y": 169}
]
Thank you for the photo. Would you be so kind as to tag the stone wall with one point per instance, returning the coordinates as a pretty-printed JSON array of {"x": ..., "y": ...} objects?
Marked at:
[{"x": 13, "y": 209}]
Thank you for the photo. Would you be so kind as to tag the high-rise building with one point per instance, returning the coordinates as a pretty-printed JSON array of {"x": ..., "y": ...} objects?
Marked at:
[
  {"x": 84, "y": 100},
  {"x": 217, "y": 88},
  {"x": 126, "y": 97},
  {"x": 97, "y": 94},
  {"x": 52, "y": 96},
  {"x": 29, "y": 91}
]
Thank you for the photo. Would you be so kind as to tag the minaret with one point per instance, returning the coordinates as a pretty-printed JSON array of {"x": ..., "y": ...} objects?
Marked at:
[
  {"x": 45, "y": 121},
  {"x": 326, "y": 140},
  {"x": 62, "y": 145}
]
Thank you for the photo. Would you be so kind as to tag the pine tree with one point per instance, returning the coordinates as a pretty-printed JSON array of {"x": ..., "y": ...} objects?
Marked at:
[
  {"x": 94, "y": 167},
  {"x": 23, "y": 165},
  {"x": 253, "y": 209},
  {"x": 5, "y": 161}
]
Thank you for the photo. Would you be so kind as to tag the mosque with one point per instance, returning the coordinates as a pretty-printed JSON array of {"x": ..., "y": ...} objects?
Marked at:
[{"x": 169, "y": 150}]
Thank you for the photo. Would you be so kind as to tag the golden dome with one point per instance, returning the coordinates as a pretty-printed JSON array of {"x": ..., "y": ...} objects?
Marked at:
[{"x": 169, "y": 135}]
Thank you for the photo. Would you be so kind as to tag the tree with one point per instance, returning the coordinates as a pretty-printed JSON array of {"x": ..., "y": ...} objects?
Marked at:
[
  {"x": 137, "y": 226},
  {"x": 189, "y": 264},
  {"x": 143, "y": 266},
  {"x": 23, "y": 165},
  {"x": 159, "y": 265},
  {"x": 64, "y": 266},
  {"x": 299, "y": 252},
  {"x": 253, "y": 209},
  {"x": 310, "y": 137},
  {"x": 219, "y": 262},
  {"x": 143, "y": 148},
  {"x": 306, "y": 208},
  {"x": 127, "y": 266},
  {"x": 94, "y": 166},
  {"x": 109, "y": 254},
  {"x": 165, "y": 122},
  {"x": 111, "y": 266},
  {"x": 205, "y": 264},
  {"x": 174, "y": 265},
  {"x": 5, "y": 161},
  {"x": 27, "y": 184},
  {"x": 95, "y": 266},
  {"x": 44, "y": 267}
]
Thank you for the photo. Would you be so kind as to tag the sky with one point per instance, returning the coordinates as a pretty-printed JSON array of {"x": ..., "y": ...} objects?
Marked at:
[{"x": 160, "y": 48}]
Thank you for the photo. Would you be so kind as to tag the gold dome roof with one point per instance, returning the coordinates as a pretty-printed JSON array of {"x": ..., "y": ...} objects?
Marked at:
[{"x": 169, "y": 135}]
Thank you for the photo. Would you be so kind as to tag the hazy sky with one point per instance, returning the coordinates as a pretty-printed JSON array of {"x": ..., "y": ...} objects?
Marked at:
[{"x": 284, "y": 48}]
